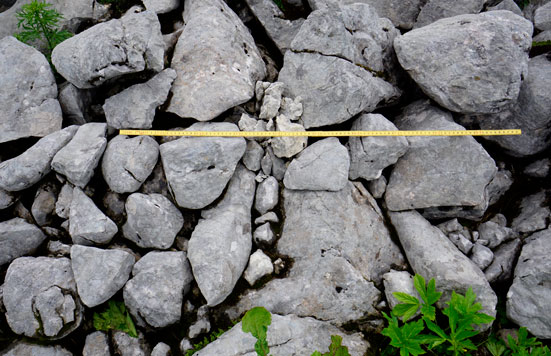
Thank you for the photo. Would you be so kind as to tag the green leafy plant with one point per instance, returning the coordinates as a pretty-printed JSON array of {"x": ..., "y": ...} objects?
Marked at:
[
  {"x": 541, "y": 43},
  {"x": 521, "y": 346},
  {"x": 206, "y": 340},
  {"x": 115, "y": 317},
  {"x": 40, "y": 23},
  {"x": 454, "y": 338},
  {"x": 256, "y": 322}
]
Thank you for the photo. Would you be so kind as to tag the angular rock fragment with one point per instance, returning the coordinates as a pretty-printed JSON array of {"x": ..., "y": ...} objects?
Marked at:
[
  {"x": 126, "y": 345},
  {"x": 156, "y": 290},
  {"x": 484, "y": 81},
  {"x": 267, "y": 195},
  {"x": 502, "y": 267},
  {"x": 538, "y": 169},
  {"x": 161, "y": 349},
  {"x": 23, "y": 348},
  {"x": 495, "y": 234},
  {"x": 18, "y": 238},
  {"x": 216, "y": 60},
  {"x": 534, "y": 214},
  {"x": 161, "y": 6},
  {"x": 435, "y": 10},
  {"x": 134, "y": 107},
  {"x": 288, "y": 146},
  {"x": 96, "y": 344},
  {"x": 271, "y": 101},
  {"x": 128, "y": 162},
  {"x": 99, "y": 273},
  {"x": 259, "y": 266},
  {"x": 398, "y": 281},
  {"x": 481, "y": 256},
  {"x": 78, "y": 159},
  {"x": 542, "y": 17},
  {"x": 263, "y": 235},
  {"x": 31, "y": 166},
  {"x": 253, "y": 156},
  {"x": 510, "y": 5},
  {"x": 43, "y": 207},
  {"x": 40, "y": 296},
  {"x": 28, "y": 94},
  {"x": 6, "y": 199},
  {"x": 75, "y": 103},
  {"x": 106, "y": 50},
  {"x": 198, "y": 168}
]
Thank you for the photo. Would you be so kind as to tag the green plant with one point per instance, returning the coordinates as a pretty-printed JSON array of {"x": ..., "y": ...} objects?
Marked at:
[
  {"x": 279, "y": 4},
  {"x": 256, "y": 322},
  {"x": 207, "y": 340},
  {"x": 461, "y": 312},
  {"x": 115, "y": 317},
  {"x": 40, "y": 23},
  {"x": 522, "y": 3},
  {"x": 541, "y": 43},
  {"x": 521, "y": 346}
]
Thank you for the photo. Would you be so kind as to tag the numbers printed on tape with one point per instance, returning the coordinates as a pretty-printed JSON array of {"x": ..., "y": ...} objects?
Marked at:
[{"x": 319, "y": 133}]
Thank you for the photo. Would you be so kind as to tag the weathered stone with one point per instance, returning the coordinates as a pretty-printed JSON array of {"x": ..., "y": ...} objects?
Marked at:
[
  {"x": 501, "y": 269},
  {"x": 263, "y": 235},
  {"x": 542, "y": 36},
  {"x": 323, "y": 165},
  {"x": 528, "y": 297},
  {"x": 58, "y": 249},
  {"x": 6, "y": 199},
  {"x": 202, "y": 324},
  {"x": 78, "y": 159},
  {"x": 538, "y": 169},
  {"x": 199, "y": 168},
  {"x": 40, "y": 297},
  {"x": 398, "y": 281},
  {"x": 510, "y": 5},
  {"x": 221, "y": 242},
  {"x": 287, "y": 335},
  {"x": 161, "y": 6},
  {"x": 134, "y": 107},
  {"x": 126, "y": 345},
  {"x": 259, "y": 266},
  {"x": 250, "y": 123},
  {"x": 438, "y": 171},
  {"x": 534, "y": 213},
  {"x": 542, "y": 17},
  {"x": 87, "y": 224},
  {"x": 288, "y": 146},
  {"x": 161, "y": 349},
  {"x": 75, "y": 103},
  {"x": 64, "y": 200},
  {"x": 495, "y": 234},
  {"x": 430, "y": 254},
  {"x": 499, "y": 185},
  {"x": 22, "y": 348},
  {"x": 486, "y": 80},
  {"x": 481, "y": 255},
  {"x": 377, "y": 187},
  {"x": 99, "y": 274},
  {"x": 253, "y": 156},
  {"x": 267, "y": 195},
  {"x": 272, "y": 164},
  {"x": 271, "y": 101},
  {"x": 31, "y": 166},
  {"x": 18, "y": 238},
  {"x": 96, "y": 344},
  {"x": 439, "y": 9},
  {"x": 370, "y": 155},
  {"x": 114, "y": 52},
  {"x": 215, "y": 72},
  {"x": 268, "y": 217},
  {"x": 156, "y": 290},
  {"x": 291, "y": 108},
  {"x": 28, "y": 94},
  {"x": 43, "y": 206}
]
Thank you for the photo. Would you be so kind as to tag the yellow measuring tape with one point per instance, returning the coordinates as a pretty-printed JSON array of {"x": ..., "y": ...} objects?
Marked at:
[{"x": 319, "y": 133}]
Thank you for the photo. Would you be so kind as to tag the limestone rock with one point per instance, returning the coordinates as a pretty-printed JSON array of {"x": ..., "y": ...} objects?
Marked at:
[
  {"x": 161, "y": 6},
  {"x": 502, "y": 267},
  {"x": 288, "y": 146},
  {"x": 481, "y": 256},
  {"x": 18, "y": 238},
  {"x": 439, "y": 9},
  {"x": 259, "y": 266},
  {"x": 534, "y": 213},
  {"x": 22, "y": 348},
  {"x": 542, "y": 17},
  {"x": 398, "y": 281},
  {"x": 96, "y": 344},
  {"x": 267, "y": 195}
]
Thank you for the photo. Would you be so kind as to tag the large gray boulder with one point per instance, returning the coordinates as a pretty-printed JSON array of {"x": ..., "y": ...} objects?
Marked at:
[
  {"x": 87, "y": 224},
  {"x": 106, "y": 51},
  {"x": 99, "y": 273},
  {"x": 287, "y": 335},
  {"x": 438, "y": 171},
  {"x": 531, "y": 113},
  {"x": 134, "y": 107},
  {"x": 31, "y": 166},
  {"x": 40, "y": 297},
  {"x": 469, "y": 63},
  {"x": 528, "y": 297},
  {"x": 127, "y": 162},
  {"x": 221, "y": 242},
  {"x": 199, "y": 168},
  {"x": 335, "y": 63},
  {"x": 22, "y": 348},
  {"x": 18, "y": 238},
  {"x": 79, "y": 158},
  {"x": 340, "y": 247},
  {"x": 321, "y": 166},
  {"x": 28, "y": 94},
  {"x": 216, "y": 61},
  {"x": 370, "y": 155},
  {"x": 152, "y": 221},
  {"x": 438, "y": 9},
  {"x": 156, "y": 291},
  {"x": 431, "y": 254}
]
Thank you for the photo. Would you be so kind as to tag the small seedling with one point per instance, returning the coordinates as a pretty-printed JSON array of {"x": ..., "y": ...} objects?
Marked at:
[{"x": 115, "y": 317}]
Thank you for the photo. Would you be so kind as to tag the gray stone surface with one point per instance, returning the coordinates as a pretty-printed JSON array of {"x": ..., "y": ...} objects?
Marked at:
[
  {"x": 340, "y": 246},
  {"x": 156, "y": 290},
  {"x": 510, "y": 5},
  {"x": 533, "y": 215},
  {"x": 501, "y": 269},
  {"x": 6, "y": 199},
  {"x": 377, "y": 187},
  {"x": 267, "y": 195},
  {"x": 161, "y": 6},
  {"x": 202, "y": 324},
  {"x": 542, "y": 17},
  {"x": 253, "y": 156},
  {"x": 99, "y": 273},
  {"x": 402, "y": 13},
  {"x": 216, "y": 60},
  {"x": 18, "y": 238},
  {"x": 76, "y": 103},
  {"x": 463, "y": 244},
  {"x": 287, "y": 335},
  {"x": 538, "y": 169},
  {"x": 438, "y": 171},
  {"x": 268, "y": 217},
  {"x": 323, "y": 165},
  {"x": 398, "y": 281},
  {"x": 127, "y": 162},
  {"x": 259, "y": 266},
  {"x": 495, "y": 234},
  {"x": 430, "y": 253},
  {"x": 126, "y": 345},
  {"x": 40, "y": 296},
  {"x": 481, "y": 255},
  {"x": 31, "y": 166},
  {"x": 106, "y": 51},
  {"x": 64, "y": 199},
  {"x": 43, "y": 207},
  {"x": 370, "y": 155},
  {"x": 152, "y": 221},
  {"x": 87, "y": 224},
  {"x": 287, "y": 146},
  {"x": 542, "y": 36},
  {"x": 28, "y": 94},
  {"x": 263, "y": 235},
  {"x": 198, "y": 168},
  {"x": 96, "y": 344},
  {"x": 531, "y": 113},
  {"x": 271, "y": 101},
  {"x": 221, "y": 242},
  {"x": 484, "y": 81},
  {"x": 134, "y": 107},
  {"x": 79, "y": 158},
  {"x": 161, "y": 349},
  {"x": 22, "y": 348},
  {"x": 435, "y": 10},
  {"x": 528, "y": 297},
  {"x": 277, "y": 27}
]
